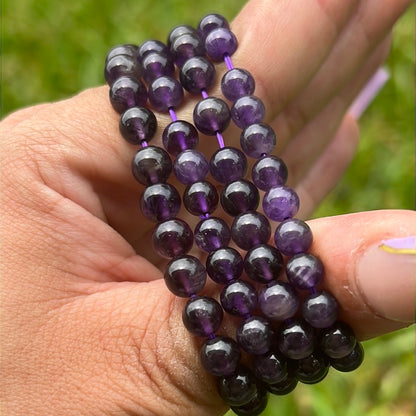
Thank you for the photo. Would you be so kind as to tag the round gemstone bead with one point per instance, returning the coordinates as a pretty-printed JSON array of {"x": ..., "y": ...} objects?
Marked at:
[
  {"x": 268, "y": 172},
  {"x": 293, "y": 236},
  {"x": 186, "y": 46},
  {"x": 185, "y": 276},
  {"x": 164, "y": 93},
  {"x": 197, "y": 74},
  {"x": 351, "y": 361},
  {"x": 337, "y": 341},
  {"x": 236, "y": 83},
  {"x": 211, "y": 234},
  {"x": 138, "y": 124},
  {"x": 255, "y": 406},
  {"x": 202, "y": 316},
  {"x": 320, "y": 309},
  {"x": 211, "y": 115},
  {"x": 200, "y": 198},
  {"x": 224, "y": 265},
  {"x": 258, "y": 140},
  {"x": 220, "y": 356},
  {"x": 127, "y": 92},
  {"x": 312, "y": 369},
  {"x": 228, "y": 164},
  {"x": 278, "y": 301},
  {"x": 220, "y": 42},
  {"x": 280, "y": 203},
  {"x": 179, "y": 31},
  {"x": 296, "y": 339},
  {"x": 119, "y": 66},
  {"x": 304, "y": 271},
  {"x": 178, "y": 136},
  {"x": 190, "y": 166},
  {"x": 263, "y": 263},
  {"x": 255, "y": 335},
  {"x": 156, "y": 65},
  {"x": 152, "y": 46},
  {"x": 249, "y": 229},
  {"x": 271, "y": 367},
  {"x": 247, "y": 110},
  {"x": 151, "y": 165},
  {"x": 283, "y": 387},
  {"x": 160, "y": 202},
  {"x": 239, "y": 196},
  {"x": 172, "y": 238},
  {"x": 126, "y": 49},
  {"x": 239, "y": 298},
  {"x": 210, "y": 22}
]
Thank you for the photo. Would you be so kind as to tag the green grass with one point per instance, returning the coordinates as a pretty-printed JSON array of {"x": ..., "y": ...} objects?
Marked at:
[{"x": 53, "y": 49}]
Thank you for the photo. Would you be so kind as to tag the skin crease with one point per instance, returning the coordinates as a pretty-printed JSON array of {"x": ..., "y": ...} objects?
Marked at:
[{"x": 88, "y": 326}]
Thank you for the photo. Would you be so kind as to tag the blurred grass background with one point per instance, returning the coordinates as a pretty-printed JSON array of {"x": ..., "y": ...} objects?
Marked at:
[{"x": 51, "y": 50}]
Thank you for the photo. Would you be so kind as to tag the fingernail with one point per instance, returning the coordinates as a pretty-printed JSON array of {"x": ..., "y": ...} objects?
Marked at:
[{"x": 386, "y": 275}]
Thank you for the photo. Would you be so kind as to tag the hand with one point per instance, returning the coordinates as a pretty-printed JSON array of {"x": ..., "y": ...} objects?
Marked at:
[{"x": 88, "y": 324}]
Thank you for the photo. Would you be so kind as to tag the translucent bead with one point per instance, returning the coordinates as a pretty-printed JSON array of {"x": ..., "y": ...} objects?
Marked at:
[
  {"x": 351, "y": 361},
  {"x": 268, "y": 172},
  {"x": 202, "y": 316},
  {"x": 197, "y": 74},
  {"x": 239, "y": 298},
  {"x": 247, "y": 110},
  {"x": 304, "y": 271},
  {"x": 280, "y": 203},
  {"x": 255, "y": 406},
  {"x": 236, "y": 83},
  {"x": 200, "y": 198},
  {"x": 211, "y": 115},
  {"x": 179, "y": 31},
  {"x": 219, "y": 42},
  {"x": 228, "y": 164},
  {"x": 224, "y": 265},
  {"x": 312, "y": 369},
  {"x": 210, "y": 22},
  {"x": 152, "y": 46},
  {"x": 156, "y": 65},
  {"x": 164, "y": 93},
  {"x": 271, "y": 368},
  {"x": 172, "y": 238},
  {"x": 190, "y": 166},
  {"x": 120, "y": 66},
  {"x": 211, "y": 234},
  {"x": 320, "y": 309},
  {"x": 185, "y": 276},
  {"x": 296, "y": 339},
  {"x": 126, "y": 49},
  {"x": 127, "y": 92},
  {"x": 255, "y": 335},
  {"x": 178, "y": 136},
  {"x": 186, "y": 46},
  {"x": 138, "y": 124},
  {"x": 263, "y": 263},
  {"x": 258, "y": 140},
  {"x": 239, "y": 196},
  {"x": 337, "y": 341},
  {"x": 283, "y": 387},
  {"x": 293, "y": 236}
]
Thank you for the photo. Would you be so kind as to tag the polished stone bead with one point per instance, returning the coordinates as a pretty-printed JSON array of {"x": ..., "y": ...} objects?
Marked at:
[
  {"x": 210, "y": 22},
  {"x": 164, "y": 93},
  {"x": 197, "y": 74},
  {"x": 186, "y": 46},
  {"x": 211, "y": 234},
  {"x": 351, "y": 361},
  {"x": 211, "y": 115},
  {"x": 239, "y": 298},
  {"x": 271, "y": 367},
  {"x": 337, "y": 341},
  {"x": 239, "y": 196},
  {"x": 190, "y": 166},
  {"x": 268, "y": 172},
  {"x": 247, "y": 110},
  {"x": 228, "y": 164},
  {"x": 179, "y": 31},
  {"x": 224, "y": 265},
  {"x": 293, "y": 236},
  {"x": 320, "y": 309},
  {"x": 304, "y": 271},
  {"x": 263, "y": 263},
  {"x": 152, "y": 46},
  {"x": 120, "y": 66},
  {"x": 179, "y": 136},
  {"x": 255, "y": 335},
  {"x": 138, "y": 124},
  {"x": 255, "y": 406},
  {"x": 311, "y": 369},
  {"x": 156, "y": 65},
  {"x": 126, "y": 49},
  {"x": 220, "y": 42},
  {"x": 283, "y": 387},
  {"x": 201, "y": 198},
  {"x": 127, "y": 92},
  {"x": 296, "y": 339},
  {"x": 257, "y": 140},
  {"x": 280, "y": 203},
  {"x": 236, "y": 83}
]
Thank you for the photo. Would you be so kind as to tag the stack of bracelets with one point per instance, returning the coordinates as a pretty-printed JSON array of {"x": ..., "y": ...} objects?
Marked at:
[{"x": 289, "y": 327}]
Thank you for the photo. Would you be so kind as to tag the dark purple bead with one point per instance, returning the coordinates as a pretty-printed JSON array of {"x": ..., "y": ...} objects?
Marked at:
[
  {"x": 200, "y": 198},
  {"x": 351, "y": 361},
  {"x": 280, "y": 203},
  {"x": 190, "y": 166},
  {"x": 172, "y": 238},
  {"x": 283, "y": 387},
  {"x": 197, "y": 74},
  {"x": 228, "y": 164},
  {"x": 258, "y": 140},
  {"x": 151, "y": 165},
  {"x": 156, "y": 65},
  {"x": 312, "y": 369},
  {"x": 236, "y": 83},
  {"x": 239, "y": 196},
  {"x": 220, "y": 42},
  {"x": 186, "y": 46},
  {"x": 127, "y": 92},
  {"x": 211, "y": 234},
  {"x": 278, "y": 301},
  {"x": 224, "y": 265},
  {"x": 247, "y": 110},
  {"x": 160, "y": 202},
  {"x": 271, "y": 367},
  {"x": 120, "y": 66},
  {"x": 320, "y": 309},
  {"x": 239, "y": 298},
  {"x": 211, "y": 115},
  {"x": 337, "y": 341},
  {"x": 179, "y": 31},
  {"x": 138, "y": 124},
  {"x": 255, "y": 335},
  {"x": 255, "y": 406},
  {"x": 249, "y": 229},
  {"x": 127, "y": 49},
  {"x": 185, "y": 276},
  {"x": 268, "y": 172},
  {"x": 296, "y": 339},
  {"x": 202, "y": 316},
  {"x": 152, "y": 46},
  {"x": 178, "y": 136},
  {"x": 210, "y": 22},
  {"x": 293, "y": 236},
  {"x": 164, "y": 93},
  {"x": 263, "y": 263},
  {"x": 304, "y": 271}
]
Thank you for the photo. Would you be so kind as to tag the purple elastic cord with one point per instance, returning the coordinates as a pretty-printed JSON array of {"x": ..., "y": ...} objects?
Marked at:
[
  {"x": 227, "y": 60},
  {"x": 220, "y": 140},
  {"x": 204, "y": 94},
  {"x": 144, "y": 143},
  {"x": 172, "y": 114}
]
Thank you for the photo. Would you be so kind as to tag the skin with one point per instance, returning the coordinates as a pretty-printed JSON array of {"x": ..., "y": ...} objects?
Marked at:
[{"x": 88, "y": 326}]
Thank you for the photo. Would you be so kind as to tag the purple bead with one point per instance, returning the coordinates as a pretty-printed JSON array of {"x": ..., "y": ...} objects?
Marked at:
[
  {"x": 304, "y": 271},
  {"x": 268, "y": 172},
  {"x": 160, "y": 202},
  {"x": 255, "y": 406},
  {"x": 247, "y": 110},
  {"x": 239, "y": 196},
  {"x": 178, "y": 136},
  {"x": 220, "y": 356},
  {"x": 185, "y": 276},
  {"x": 120, "y": 66},
  {"x": 211, "y": 234},
  {"x": 202, "y": 316},
  {"x": 351, "y": 361},
  {"x": 127, "y": 49},
  {"x": 224, "y": 265},
  {"x": 239, "y": 298},
  {"x": 296, "y": 339},
  {"x": 249, "y": 229},
  {"x": 210, "y": 22},
  {"x": 263, "y": 263},
  {"x": 211, "y": 115},
  {"x": 220, "y": 42},
  {"x": 320, "y": 309},
  {"x": 152, "y": 46},
  {"x": 280, "y": 203},
  {"x": 164, "y": 93},
  {"x": 255, "y": 335},
  {"x": 236, "y": 83},
  {"x": 228, "y": 164},
  {"x": 190, "y": 166},
  {"x": 293, "y": 236},
  {"x": 186, "y": 46},
  {"x": 151, "y": 165},
  {"x": 138, "y": 124},
  {"x": 271, "y": 367},
  {"x": 127, "y": 92},
  {"x": 156, "y": 65},
  {"x": 337, "y": 341},
  {"x": 179, "y": 31},
  {"x": 197, "y": 74},
  {"x": 283, "y": 387},
  {"x": 172, "y": 238},
  {"x": 258, "y": 140},
  {"x": 200, "y": 198},
  {"x": 312, "y": 369}
]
